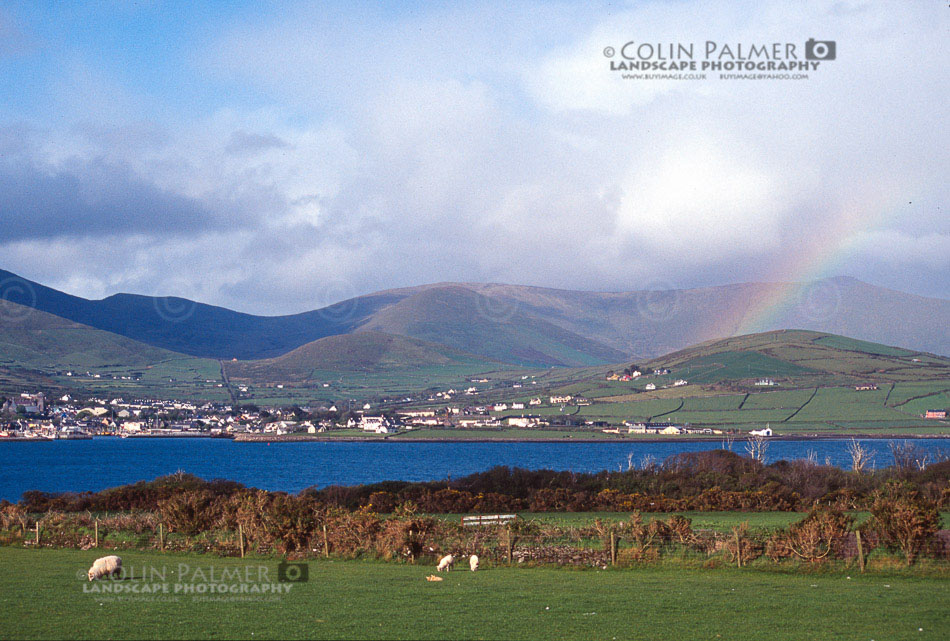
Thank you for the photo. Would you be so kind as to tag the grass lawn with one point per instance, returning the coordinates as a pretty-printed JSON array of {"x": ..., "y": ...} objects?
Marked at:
[{"x": 41, "y": 596}]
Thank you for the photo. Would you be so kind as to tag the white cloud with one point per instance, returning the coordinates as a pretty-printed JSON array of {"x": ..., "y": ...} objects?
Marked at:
[{"x": 386, "y": 150}]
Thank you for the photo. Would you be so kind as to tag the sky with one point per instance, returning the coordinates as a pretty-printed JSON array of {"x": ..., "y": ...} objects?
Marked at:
[{"x": 275, "y": 157}]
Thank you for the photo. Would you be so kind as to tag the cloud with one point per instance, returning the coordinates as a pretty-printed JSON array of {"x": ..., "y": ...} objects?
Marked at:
[
  {"x": 482, "y": 142},
  {"x": 87, "y": 199}
]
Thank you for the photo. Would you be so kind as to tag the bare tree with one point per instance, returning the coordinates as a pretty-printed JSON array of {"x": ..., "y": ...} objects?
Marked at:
[
  {"x": 908, "y": 456},
  {"x": 757, "y": 447},
  {"x": 728, "y": 441},
  {"x": 812, "y": 457},
  {"x": 861, "y": 457},
  {"x": 648, "y": 462}
]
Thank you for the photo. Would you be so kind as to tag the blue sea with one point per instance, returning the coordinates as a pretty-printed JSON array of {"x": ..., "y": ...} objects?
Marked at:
[{"x": 102, "y": 462}]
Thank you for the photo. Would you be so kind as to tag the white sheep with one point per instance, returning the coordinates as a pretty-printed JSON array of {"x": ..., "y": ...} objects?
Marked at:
[
  {"x": 473, "y": 562},
  {"x": 107, "y": 565},
  {"x": 445, "y": 563}
]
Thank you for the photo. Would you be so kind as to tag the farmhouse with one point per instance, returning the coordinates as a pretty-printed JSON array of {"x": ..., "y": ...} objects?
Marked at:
[
  {"x": 561, "y": 400},
  {"x": 765, "y": 431},
  {"x": 865, "y": 387},
  {"x": 765, "y": 382},
  {"x": 378, "y": 424},
  {"x": 524, "y": 421},
  {"x": 650, "y": 387},
  {"x": 936, "y": 414}
]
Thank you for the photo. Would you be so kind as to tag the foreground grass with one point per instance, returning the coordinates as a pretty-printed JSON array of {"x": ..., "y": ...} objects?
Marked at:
[{"x": 41, "y": 596}]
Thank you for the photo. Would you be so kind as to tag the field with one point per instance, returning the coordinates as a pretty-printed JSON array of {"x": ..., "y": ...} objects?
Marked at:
[{"x": 41, "y": 596}]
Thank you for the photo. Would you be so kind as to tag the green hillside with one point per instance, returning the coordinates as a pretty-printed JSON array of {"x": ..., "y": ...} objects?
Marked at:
[
  {"x": 34, "y": 339},
  {"x": 366, "y": 352},
  {"x": 801, "y": 356},
  {"x": 816, "y": 378},
  {"x": 468, "y": 321}
]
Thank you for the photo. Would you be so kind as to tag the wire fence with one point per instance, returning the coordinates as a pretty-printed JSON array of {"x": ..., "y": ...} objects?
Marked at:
[{"x": 425, "y": 539}]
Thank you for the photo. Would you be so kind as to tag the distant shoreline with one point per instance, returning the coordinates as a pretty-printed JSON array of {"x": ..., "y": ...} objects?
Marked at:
[
  {"x": 306, "y": 438},
  {"x": 566, "y": 439}
]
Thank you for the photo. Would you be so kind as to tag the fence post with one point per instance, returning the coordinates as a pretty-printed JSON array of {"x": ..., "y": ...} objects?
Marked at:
[
  {"x": 161, "y": 537},
  {"x": 326, "y": 542},
  {"x": 37, "y": 533},
  {"x": 412, "y": 556},
  {"x": 857, "y": 534},
  {"x": 97, "y": 532},
  {"x": 508, "y": 530},
  {"x": 738, "y": 550},
  {"x": 241, "y": 538},
  {"x": 613, "y": 549}
]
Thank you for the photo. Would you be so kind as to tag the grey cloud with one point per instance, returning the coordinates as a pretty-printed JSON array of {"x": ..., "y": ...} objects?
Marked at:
[
  {"x": 244, "y": 142},
  {"x": 92, "y": 198}
]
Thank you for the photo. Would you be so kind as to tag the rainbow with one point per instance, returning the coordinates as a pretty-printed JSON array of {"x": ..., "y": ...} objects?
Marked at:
[{"x": 796, "y": 286}]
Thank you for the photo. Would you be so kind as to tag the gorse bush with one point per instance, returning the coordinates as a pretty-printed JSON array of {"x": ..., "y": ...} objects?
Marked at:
[
  {"x": 819, "y": 536},
  {"x": 904, "y": 518}
]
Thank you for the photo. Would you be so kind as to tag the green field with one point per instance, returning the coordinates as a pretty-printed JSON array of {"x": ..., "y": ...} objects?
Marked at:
[{"x": 42, "y": 596}]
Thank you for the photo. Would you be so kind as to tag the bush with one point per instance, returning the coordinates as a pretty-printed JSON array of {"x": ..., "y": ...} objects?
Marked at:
[
  {"x": 821, "y": 534},
  {"x": 904, "y": 519},
  {"x": 190, "y": 512}
]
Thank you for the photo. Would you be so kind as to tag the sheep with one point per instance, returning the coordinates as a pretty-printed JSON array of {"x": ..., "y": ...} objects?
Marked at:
[
  {"x": 473, "y": 562},
  {"x": 107, "y": 565},
  {"x": 445, "y": 563}
]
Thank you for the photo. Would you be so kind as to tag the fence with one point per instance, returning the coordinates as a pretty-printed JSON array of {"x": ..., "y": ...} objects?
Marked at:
[{"x": 510, "y": 541}]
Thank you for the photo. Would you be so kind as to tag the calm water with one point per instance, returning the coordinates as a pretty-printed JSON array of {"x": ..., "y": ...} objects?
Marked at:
[{"x": 59, "y": 466}]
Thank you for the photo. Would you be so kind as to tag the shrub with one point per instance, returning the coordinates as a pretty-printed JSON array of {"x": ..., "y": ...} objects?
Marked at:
[
  {"x": 820, "y": 534},
  {"x": 904, "y": 519},
  {"x": 190, "y": 512}
]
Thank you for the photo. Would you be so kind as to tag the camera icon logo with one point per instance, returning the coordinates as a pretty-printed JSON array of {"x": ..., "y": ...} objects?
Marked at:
[
  {"x": 293, "y": 572},
  {"x": 820, "y": 49}
]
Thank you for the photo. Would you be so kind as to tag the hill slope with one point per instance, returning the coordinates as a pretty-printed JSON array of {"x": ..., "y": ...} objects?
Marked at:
[
  {"x": 799, "y": 355},
  {"x": 468, "y": 321},
  {"x": 359, "y": 352},
  {"x": 31, "y": 338}
]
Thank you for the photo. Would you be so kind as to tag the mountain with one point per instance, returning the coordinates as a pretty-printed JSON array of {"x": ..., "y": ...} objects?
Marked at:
[
  {"x": 528, "y": 326},
  {"x": 31, "y": 338},
  {"x": 188, "y": 327},
  {"x": 367, "y": 351},
  {"x": 649, "y": 323},
  {"x": 457, "y": 316}
]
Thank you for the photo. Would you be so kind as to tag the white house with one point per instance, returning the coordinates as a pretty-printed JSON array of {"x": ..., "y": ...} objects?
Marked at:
[
  {"x": 378, "y": 424},
  {"x": 650, "y": 387},
  {"x": 679, "y": 383},
  {"x": 523, "y": 421},
  {"x": 765, "y": 431}
]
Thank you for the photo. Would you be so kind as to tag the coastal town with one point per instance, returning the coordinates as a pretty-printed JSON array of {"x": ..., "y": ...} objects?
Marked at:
[{"x": 32, "y": 415}]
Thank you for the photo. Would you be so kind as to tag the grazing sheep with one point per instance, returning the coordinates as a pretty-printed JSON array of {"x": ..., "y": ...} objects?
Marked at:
[
  {"x": 445, "y": 563},
  {"x": 473, "y": 562},
  {"x": 107, "y": 565}
]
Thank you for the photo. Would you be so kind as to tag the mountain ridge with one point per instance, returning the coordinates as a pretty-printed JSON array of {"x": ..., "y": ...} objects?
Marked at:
[{"x": 521, "y": 325}]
